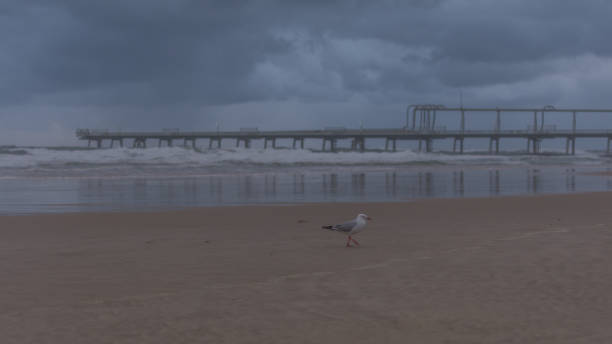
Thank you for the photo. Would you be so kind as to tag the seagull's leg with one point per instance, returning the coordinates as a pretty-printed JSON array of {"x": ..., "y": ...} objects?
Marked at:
[
  {"x": 348, "y": 243},
  {"x": 355, "y": 241}
]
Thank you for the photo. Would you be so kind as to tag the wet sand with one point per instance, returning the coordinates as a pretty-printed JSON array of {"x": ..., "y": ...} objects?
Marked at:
[{"x": 501, "y": 270}]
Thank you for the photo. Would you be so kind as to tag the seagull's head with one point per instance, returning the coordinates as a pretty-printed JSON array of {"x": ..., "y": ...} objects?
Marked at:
[{"x": 364, "y": 217}]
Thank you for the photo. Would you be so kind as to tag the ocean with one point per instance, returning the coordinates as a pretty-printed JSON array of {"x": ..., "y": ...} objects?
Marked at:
[{"x": 71, "y": 179}]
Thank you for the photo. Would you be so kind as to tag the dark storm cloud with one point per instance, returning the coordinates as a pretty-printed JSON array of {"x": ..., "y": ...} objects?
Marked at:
[
  {"x": 187, "y": 54},
  {"x": 168, "y": 51},
  {"x": 206, "y": 51}
]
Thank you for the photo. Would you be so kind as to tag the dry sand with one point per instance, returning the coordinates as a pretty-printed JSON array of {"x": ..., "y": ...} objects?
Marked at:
[{"x": 503, "y": 270}]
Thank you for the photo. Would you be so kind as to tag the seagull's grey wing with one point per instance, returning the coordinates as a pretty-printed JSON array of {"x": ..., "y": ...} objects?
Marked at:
[{"x": 346, "y": 227}]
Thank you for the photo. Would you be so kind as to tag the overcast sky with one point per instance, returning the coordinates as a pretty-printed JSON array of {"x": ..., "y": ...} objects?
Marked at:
[{"x": 153, "y": 64}]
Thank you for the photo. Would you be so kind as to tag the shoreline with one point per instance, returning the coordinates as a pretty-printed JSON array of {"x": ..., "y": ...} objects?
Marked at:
[
  {"x": 289, "y": 204},
  {"x": 533, "y": 269}
]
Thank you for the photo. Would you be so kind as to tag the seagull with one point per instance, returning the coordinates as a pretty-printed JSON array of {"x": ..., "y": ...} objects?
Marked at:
[{"x": 351, "y": 227}]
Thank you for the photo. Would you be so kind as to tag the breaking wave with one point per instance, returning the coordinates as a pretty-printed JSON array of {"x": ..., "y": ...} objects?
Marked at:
[{"x": 23, "y": 161}]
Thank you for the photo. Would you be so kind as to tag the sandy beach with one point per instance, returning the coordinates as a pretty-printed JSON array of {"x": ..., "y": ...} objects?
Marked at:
[{"x": 491, "y": 270}]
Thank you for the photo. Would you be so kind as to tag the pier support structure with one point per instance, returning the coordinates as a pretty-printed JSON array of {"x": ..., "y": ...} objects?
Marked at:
[
  {"x": 247, "y": 142},
  {"x": 358, "y": 143},
  {"x": 534, "y": 144},
  {"x": 97, "y": 141},
  {"x": 428, "y": 144},
  {"x": 296, "y": 140},
  {"x": 570, "y": 145},
  {"x": 458, "y": 141},
  {"x": 189, "y": 139},
  {"x": 139, "y": 142},
  {"x": 494, "y": 140},
  {"x": 120, "y": 140},
  {"x": 167, "y": 140},
  {"x": 332, "y": 144},
  {"x": 391, "y": 141},
  {"x": 213, "y": 140},
  {"x": 271, "y": 139}
]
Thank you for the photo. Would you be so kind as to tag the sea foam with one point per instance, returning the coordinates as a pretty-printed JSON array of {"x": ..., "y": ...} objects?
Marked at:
[{"x": 124, "y": 160}]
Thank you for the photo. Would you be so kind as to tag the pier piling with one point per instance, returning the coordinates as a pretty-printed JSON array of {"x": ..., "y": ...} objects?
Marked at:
[
  {"x": 295, "y": 141},
  {"x": 213, "y": 140}
]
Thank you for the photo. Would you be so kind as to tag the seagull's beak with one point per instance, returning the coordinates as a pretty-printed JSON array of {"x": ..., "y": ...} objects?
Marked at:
[{"x": 369, "y": 218}]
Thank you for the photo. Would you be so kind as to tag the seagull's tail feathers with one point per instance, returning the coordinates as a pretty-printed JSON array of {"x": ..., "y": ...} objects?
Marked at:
[{"x": 331, "y": 228}]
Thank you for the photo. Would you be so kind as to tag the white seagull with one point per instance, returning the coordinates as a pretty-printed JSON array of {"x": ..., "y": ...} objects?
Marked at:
[{"x": 351, "y": 228}]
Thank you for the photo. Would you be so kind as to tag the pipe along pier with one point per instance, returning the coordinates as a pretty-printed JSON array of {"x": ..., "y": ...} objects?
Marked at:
[{"x": 420, "y": 126}]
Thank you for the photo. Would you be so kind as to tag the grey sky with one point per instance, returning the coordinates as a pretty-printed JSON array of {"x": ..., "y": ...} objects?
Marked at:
[{"x": 152, "y": 64}]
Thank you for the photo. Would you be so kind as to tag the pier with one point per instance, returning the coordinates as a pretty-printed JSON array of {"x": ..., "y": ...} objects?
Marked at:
[{"x": 420, "y": 127}]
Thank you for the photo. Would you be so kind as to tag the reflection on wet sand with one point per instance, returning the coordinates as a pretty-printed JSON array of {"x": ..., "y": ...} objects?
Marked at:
[
  {"x": 425, "y": 184},
  {"x": 393, "y": 185},
  {"x": 298, "y": 184},
  {"x": 358, "y": 182},
  {"x": 570, "y": 180},
  {"x": 494, "y": 182},
  {"x": 458, "y": 186},
  {"x": 215, "y": 187},
  {"x": 270, "y": 185},
  {"x": 533, "y": 180},
  {"x": 330, "y": 184}
]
